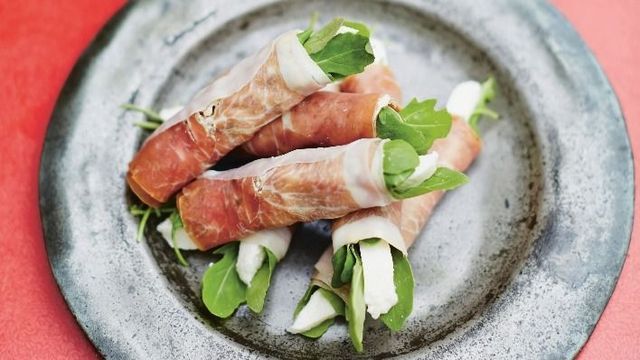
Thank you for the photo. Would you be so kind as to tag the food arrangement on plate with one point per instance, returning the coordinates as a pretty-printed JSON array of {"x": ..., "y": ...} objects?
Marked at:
[{"x": 317, "y": 120}]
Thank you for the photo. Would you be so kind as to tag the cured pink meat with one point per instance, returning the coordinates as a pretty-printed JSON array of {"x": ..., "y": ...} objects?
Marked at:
[
  {"x": 322, "y": 119},
  {"x": 303, "y": 185},
  {"x": 377, "y": 78},
  {"x": 457, "y": 151},
  {"x": 222, "y": 116}
]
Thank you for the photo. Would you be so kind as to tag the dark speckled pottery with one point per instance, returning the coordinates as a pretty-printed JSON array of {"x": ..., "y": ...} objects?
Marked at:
[{"x": 518, "y": 264}]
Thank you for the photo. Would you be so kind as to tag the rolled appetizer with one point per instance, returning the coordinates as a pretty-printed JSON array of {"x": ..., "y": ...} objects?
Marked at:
[
  {"x": 307, "y": 185},
  {"x": 366, "y": 269},
  {"x": 230, "y": 110}
]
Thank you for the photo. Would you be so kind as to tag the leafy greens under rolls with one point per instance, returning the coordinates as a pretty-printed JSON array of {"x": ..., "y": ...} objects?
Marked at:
[{"x": 370, "y": 273}]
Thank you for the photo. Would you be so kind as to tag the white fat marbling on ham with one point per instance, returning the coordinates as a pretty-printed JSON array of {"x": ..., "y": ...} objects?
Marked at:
[
  {"x": 299, "y": 71},
  {"x": 369, "y": 227},
  {"x": 362, "y": 173}
]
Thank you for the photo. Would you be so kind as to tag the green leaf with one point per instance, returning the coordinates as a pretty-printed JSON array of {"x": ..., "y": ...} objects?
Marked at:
[
  {"x": 337, "y": 261},
  {"x": 176, "y": 224},
  {"x": 395, "y": 318},
  {"x": 423, "y": 117},
  {"x": 390, "y": 125},
  {"x": 443, "y": 179},
  {"x": 336, "y": 302},
  {"x": 143, "y": 222},
  {"x": 356, "y": 308},
  {"x": 150, "y": 114},
  {"x": 257, "y": 290},
  {"x": 399, "y": 157},
  {"x": 306, "y": 34},
  {"x": 319, "y": 330},
  {"x": 222, "y": 289},
  {"x": 360, "y": 27},
  {"x": 304, "y": 300},
  {"x": 343, "y": 261},
  {"x": 347, "y": 270},
  {"x": 344, "y": 55},
  {"x": 488, "y": 93},
  {"x": 319, "y": 39}
]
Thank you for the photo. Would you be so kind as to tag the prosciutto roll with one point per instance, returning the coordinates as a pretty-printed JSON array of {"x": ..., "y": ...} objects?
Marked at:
[
  {"x": 329, "y": 118},
  {"x": 323, "y": 119},
  {"x": 234, "y": 107},
  {"x": 384, "y": 234},
  {"x": 304, "y": 185}
]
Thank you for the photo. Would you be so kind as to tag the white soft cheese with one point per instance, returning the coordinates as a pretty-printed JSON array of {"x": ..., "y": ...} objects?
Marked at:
[
  {"x": 464, "y": 98},
  {"x": 250, "y": 258},
  {"x": 425, "y": 169},
  {"x": 368, "y": 227},
  {"x": 379, "y": 289},
  {"x": 251, "y": 253},
  {"x": 317, "y": 310},
  {"x": 183, "y": 241}
]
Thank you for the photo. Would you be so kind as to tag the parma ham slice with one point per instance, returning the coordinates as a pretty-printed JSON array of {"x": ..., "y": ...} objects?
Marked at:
[
  {"x": 303, "y": 185},
  {"x": 222, "y": 116},
  {"x": 377, "y": 78},
  {"x": 323, "y": 119},
  {"x": 402, "y": 220}
]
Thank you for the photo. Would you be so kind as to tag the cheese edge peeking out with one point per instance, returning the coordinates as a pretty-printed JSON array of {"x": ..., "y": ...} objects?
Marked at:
[
  {"x": 317, "y": 310},
  {"x": 379, "y": 288},
  {"x": 425, "y": 169},
  {"x": 368, "y": 228},
  {"x": 299, "y": 71},
  {"x": 183, "y": 241},
  {"x": 464, "y": 98},
  {"x": 250, "y": 259}
]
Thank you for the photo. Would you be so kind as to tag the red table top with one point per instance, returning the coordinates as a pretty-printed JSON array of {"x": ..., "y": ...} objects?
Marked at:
[{"x": 39, "y": 43}]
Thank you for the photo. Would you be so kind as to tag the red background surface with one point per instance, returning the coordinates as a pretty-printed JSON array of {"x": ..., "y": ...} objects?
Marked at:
[{"x": 39, "y": 43}]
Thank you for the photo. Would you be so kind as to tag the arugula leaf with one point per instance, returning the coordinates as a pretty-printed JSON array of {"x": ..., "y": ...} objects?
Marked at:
[
  {"x": 306, "y": 34},
  {"x": 390, "y": 125},
  {"x": 304, "y": 300},
  {"x": 395, "y": 318},
  {"x": 423, "y": 117},
  {"x": 399, "y": 157},
  {"x": 336, "y": 302},
  {"x": 222, "y": 289},
  {"x": 176, "y": 224},
  {"x": 356, "y": 308},
  {"x": 360, "y": 27},
  {"x": 488, "y": 93},
  {"x": 319, "y": 330},
  {"x": 344, "y": 55},
  {"x": 257, "y": 290},
  {"x": 342, "y": 261},
  {"x": 319, "y": 39},
  {"x": 443, "y": 179},
  {"x": 136, "y": 210},
  {"x": 154, "y": 120}
]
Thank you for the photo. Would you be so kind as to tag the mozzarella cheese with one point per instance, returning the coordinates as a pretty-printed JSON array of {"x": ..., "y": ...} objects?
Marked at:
[
  {"x": 425, "y": 169},
  {"x": 317, "y": 310},
  {"x": 251, "y": 253},
  {"x": 464, "y": 98},
  {"x": 183, "y": 241},
  {"x": 379, "y": 288},
  {"x": 250, "y": 258}
]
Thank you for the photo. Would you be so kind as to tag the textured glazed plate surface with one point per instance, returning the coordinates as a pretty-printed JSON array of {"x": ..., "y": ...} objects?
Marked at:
[{"x": 519, "y": 263}]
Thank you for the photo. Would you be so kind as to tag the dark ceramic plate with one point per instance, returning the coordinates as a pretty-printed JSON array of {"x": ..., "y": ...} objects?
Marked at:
[{"x": 519, "y": 263}]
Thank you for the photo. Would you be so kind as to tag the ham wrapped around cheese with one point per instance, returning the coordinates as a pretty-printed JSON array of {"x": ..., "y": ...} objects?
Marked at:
[
  {"x": 229, "y": 111},
  {"x": 330, "y": 118},
  {"x": 383, "y": 236},
  {"x": 303, "y": 185}
]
